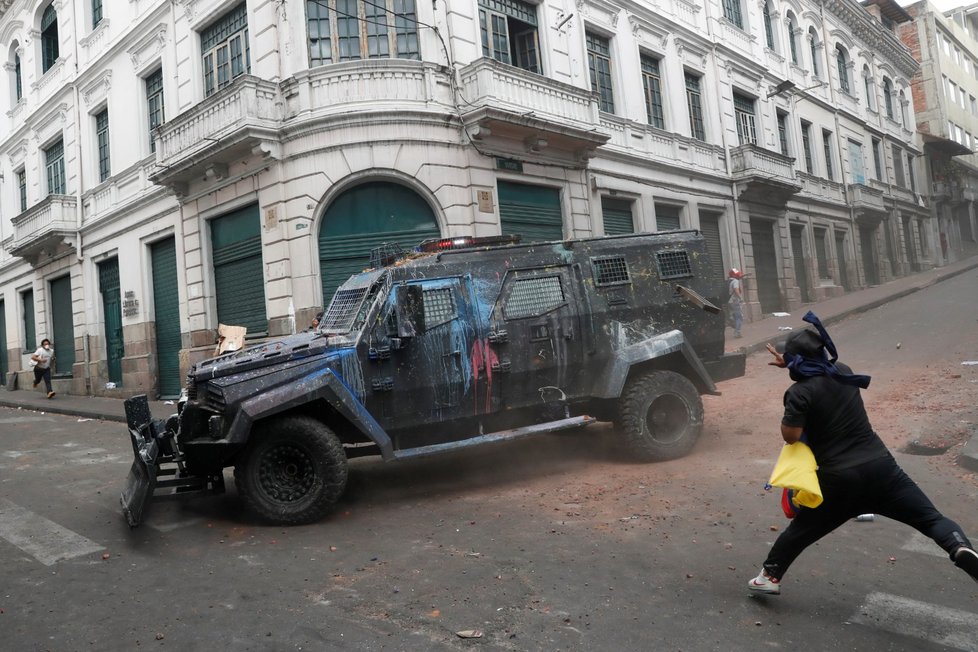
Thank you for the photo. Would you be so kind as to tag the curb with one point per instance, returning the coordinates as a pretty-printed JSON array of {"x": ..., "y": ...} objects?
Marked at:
[
  {"x": 969, "y": 455},
  {"x": 66, "y": 410}
]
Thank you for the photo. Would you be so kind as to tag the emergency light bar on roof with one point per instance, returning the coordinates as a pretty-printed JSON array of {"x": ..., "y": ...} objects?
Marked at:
[{"x": 464, "y": 242}]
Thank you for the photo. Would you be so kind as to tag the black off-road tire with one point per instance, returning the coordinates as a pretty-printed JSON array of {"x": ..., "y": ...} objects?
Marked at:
[
  {"x": 660, "y": 413},
  {"x": 293, "y": 470}
]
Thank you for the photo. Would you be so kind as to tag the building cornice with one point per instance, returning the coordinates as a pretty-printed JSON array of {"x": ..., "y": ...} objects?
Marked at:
[{"x": 872, "y": 33}]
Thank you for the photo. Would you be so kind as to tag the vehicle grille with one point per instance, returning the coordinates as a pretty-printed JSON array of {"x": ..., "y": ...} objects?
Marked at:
[{"x": 210, "y": 397}]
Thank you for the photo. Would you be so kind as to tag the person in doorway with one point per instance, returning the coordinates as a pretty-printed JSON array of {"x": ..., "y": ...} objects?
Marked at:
[
  {"x": 856, "y": 472},
  {"x": 735, "y": 291},
  {"x": 315, "y": 321},
  {"x": 42, "y": 365}
]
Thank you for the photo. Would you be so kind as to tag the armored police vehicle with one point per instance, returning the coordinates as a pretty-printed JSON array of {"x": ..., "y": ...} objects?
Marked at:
[{"x": 464, "y": 341}]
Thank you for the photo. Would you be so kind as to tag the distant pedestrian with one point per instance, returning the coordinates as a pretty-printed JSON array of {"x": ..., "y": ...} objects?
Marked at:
[
  {"x": 41, "y": 360},
  {"x": 735, "y": 303},
  {"x": 315, "y": 321},
  {"x": 856, "y": 472}
]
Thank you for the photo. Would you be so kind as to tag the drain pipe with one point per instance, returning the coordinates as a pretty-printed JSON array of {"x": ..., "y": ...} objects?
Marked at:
[{"x": 78, "y": 148}]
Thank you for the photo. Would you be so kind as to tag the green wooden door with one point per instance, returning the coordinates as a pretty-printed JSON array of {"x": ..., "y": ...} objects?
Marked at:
[
  {"x": 166, "y": 305},
  {"x": 115, "y": 348},
  {"x": 617, "y": 214},
  {"x": 532, "y": 212},
  {"x": 364, "y": 217},
  {"x": 238, "y": 276},
  {"x": 4, "y": 367},
  {"x": 63, "y": 326},
  {"x": 30, "y": 334}
]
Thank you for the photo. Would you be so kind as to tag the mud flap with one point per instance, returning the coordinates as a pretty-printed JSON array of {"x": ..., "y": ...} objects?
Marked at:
[{"x": 141, "y": 482}]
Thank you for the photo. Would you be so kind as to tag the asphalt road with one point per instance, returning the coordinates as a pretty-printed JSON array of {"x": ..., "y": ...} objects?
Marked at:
[{"x": 558, "y": 543}]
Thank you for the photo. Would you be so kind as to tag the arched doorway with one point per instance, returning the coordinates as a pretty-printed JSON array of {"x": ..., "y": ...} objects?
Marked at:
[{"x": 366, "y": 216}]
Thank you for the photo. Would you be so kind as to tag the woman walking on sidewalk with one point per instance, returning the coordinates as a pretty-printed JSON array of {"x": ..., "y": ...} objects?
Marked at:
[{"x": 41, "y": 359}]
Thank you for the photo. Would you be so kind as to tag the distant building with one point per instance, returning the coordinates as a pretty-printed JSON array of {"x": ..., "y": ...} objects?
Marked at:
[
  {"x": 944, "y": 93},
  {"x": 166, "y": 167}
]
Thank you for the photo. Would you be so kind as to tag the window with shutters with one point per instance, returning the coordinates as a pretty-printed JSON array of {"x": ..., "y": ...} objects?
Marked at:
[
  {"x": 22, "y": 188},
  {"x": 54, "y": 164},
  {"x": 783, "y": 132},
  {"x": 102, "y": 140},
  {"x": 509, "y": 33},
  {"x": 617, "y": 216},
  {"x": 227, "y": 54},
  {"x": 806, "y": 144},
  {"x": 842, "y": 61},
  {"x": 827, "y": 146},
  {"x": 821, "y": 256},
  {"x": 694, "y": 104},
  {"x": 744, "y": 114},
  {"x": 49, "y": 38},
  {"x": 813, "y": 48},
  {"x": 348, "y": 30},
  {"x": 154, "y": 104},
  {"x": 768, "y": 26},
  {"x": 599, "y": 65},
  {"x": 888, "y": 97},
  {"x": 733, "y": 13},
  {"x": 898, "y": 175},
  {"x": 18, "y": 77},
  {"x": 652, "y": 84},
  {"x": 877, "y": 159},
  {"x": 793, "y": 38},
  {"x": 667, "y": 217},
  {"x": 531, "y": 297}
]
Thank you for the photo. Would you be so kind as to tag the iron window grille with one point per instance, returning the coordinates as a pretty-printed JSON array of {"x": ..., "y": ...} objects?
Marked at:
[
  {"x": 673, "y": 264},
  {"x": 343, "y": 310},
  {"x": 530, "y": 297},
  {"x": 611, "y": 270},
  {"x": 439, "y": 307}
]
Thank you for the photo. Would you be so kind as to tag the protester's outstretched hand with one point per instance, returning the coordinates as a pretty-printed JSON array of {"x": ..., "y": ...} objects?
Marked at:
[{"x": 778, "y": 358}]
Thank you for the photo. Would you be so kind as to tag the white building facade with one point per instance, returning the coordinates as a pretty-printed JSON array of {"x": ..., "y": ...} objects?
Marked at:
[{"x": 169, "y": 166}]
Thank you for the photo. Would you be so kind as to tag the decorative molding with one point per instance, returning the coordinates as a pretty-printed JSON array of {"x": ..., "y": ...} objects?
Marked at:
[
  {"x": 95, "y": 34},
  {"x": 96, "y": 91},
  {"x": 18, "y": 153},
  {"x": 690, "y": 52},
  {"x": 59, "y": 114},
  {"x": 189, "y": 9},
  {"x": 650, "y": 32},
  {"x": 148, "y": 47}
]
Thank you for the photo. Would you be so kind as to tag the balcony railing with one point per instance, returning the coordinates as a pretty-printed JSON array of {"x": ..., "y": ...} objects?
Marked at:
[
  {"x": 488, "y": 83},
  {"x": 647, "y": 142},
  {"x": 823, "y": 189},
  {"x": 43, "y": 226},
  {"x": 757, "y": 163},
  {"x": 865, "y": 198},
  {"x": 220, "y": 121}
]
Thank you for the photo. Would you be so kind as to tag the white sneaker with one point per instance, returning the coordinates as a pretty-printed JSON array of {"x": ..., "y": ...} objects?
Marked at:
[
  {"x": 967, "y": 560},
  {"x": 764, "y": 584}
]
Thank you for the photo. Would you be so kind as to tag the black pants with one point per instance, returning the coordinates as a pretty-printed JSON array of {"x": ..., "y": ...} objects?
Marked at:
[
  {"x": 876, "y": 487},
  {"x": 43, "y": 374}
]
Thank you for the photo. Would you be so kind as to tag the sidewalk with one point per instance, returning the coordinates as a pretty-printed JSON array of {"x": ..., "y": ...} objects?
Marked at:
[{"x": 755, "y": 336}]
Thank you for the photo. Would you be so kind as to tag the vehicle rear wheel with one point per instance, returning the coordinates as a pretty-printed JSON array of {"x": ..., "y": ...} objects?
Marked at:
[
  {"x": 660, "y": 414},
  {"x": 293, "y": 470}
]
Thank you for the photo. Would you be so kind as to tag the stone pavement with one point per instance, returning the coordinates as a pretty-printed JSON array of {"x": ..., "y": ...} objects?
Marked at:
[{"x": 755, "y": 336}]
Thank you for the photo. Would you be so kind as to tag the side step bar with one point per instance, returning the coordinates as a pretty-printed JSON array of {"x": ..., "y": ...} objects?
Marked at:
[{"x": 502, "y": 435}]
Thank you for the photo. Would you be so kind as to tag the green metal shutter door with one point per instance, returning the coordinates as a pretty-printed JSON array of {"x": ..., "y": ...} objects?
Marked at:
[
  {"x": 115, "y": 348},
  {"x": 532, "y": 212},
  {"x": 765, "y": 265},
  {"x": 238, "y": 277},
  {"x": 617, "y": 214},
  {"x": 166, "y": 305},
  {"x": 666, "y": 217},
  {"x": 364, "y": 217},
  {"x": 710, "y": 228},
  {"x": 4, "y": 368},
  {"x": 63, "y": 327}
]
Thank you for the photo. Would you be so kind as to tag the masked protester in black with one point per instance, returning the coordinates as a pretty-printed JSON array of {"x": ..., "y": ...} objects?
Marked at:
[{"x": 856, "y": 472}]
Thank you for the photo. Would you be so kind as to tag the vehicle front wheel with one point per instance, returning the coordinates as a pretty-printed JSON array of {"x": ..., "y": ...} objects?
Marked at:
[
  {"x": 660, "y": 414},
  {"x": 293, "y": 470}
]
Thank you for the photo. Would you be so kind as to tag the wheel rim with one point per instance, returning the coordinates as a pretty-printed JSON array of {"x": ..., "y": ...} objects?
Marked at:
[
  {"x": 286, "y": 473},
  {"x": 667, "y": 418}
]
